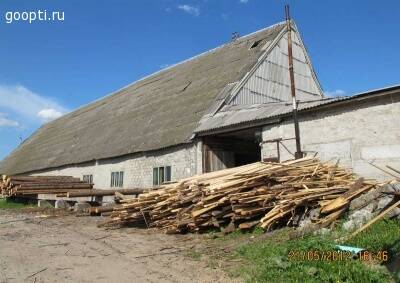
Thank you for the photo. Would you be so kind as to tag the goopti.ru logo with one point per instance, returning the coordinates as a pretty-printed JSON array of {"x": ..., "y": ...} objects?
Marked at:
[{"x": 31, "y": 16}]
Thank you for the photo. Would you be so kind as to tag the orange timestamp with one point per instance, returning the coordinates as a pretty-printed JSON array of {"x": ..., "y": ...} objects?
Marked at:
[
  {"x": 337, "y": 255},
  {"x": 316, "y": 255},
  {"x": 381, "y": 256}
]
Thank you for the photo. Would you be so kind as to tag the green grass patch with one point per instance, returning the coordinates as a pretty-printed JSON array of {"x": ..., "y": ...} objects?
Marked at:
[
  {"x": 382, "y": 236},
  {"x": 193, "y": 254},
  {"x": 277, "y": 258},
  {"x": 10, "y": 204}
]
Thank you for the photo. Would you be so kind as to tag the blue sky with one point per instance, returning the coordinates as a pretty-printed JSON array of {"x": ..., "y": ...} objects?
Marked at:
[{"x": 51, "y": 67}]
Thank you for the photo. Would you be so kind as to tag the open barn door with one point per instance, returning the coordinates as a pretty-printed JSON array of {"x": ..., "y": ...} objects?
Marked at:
[{"x": 230, "y": 150}]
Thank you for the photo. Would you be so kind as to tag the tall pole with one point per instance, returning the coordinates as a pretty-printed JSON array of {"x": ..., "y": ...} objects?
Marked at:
[{"x": 298, "y": 154}]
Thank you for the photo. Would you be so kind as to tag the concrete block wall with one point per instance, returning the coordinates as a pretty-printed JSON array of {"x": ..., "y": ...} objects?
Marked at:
[
  {"x": 138, "y": 168},
  {"x": 355, "y": 132}
]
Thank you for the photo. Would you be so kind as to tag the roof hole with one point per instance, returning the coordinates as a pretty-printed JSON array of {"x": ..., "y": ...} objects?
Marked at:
[{"x": 255, "y": 44}]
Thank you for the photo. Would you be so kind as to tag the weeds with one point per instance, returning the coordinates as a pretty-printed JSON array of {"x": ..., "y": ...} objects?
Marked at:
[
  {"x": 195, "y": 255},
  {"x": 277, "y": 258},
  {"x": 10, "y": 204}
]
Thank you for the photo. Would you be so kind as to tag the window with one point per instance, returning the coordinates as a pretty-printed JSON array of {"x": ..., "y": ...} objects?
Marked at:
[
  {"x": 117, "y": 179},
  {"x": 88, "y": 178},
  {"x": 161, "y": 175}
]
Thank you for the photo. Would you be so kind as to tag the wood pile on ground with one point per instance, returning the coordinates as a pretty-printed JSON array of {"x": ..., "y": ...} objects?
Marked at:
[
  {"x": 259, "y": 194},
  {"x": 32, "y": 185},
  {"x": 102, "y": 210}
]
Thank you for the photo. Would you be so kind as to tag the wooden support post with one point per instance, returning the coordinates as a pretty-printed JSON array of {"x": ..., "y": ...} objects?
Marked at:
[{"x": 298, "y": 153}]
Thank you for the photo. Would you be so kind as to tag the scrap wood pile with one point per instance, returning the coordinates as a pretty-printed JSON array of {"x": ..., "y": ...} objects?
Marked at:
[
  {"x": 259, "y": 194},
  {"x": 33, "y": 185}
]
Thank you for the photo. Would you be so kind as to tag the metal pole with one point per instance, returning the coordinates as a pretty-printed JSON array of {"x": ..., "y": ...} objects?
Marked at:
[{"x": 298, "y": 153}]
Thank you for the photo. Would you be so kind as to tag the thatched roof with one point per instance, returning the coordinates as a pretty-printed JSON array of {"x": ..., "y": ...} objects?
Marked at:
[{"x": 155, "y": 112}]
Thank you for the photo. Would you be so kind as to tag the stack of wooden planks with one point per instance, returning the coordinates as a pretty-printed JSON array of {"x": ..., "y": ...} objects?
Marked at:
[
  {"x": 259, "y": 194},
  {"x": 33, "y": 185}
]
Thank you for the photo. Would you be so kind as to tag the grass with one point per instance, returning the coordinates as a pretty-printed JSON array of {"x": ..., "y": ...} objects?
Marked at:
[
  {"x": 10, "y": 204},
  {"x": 277, "y": 258},
  {"x": 383, "y": 235},
  {"x": 195, "y": 255}
]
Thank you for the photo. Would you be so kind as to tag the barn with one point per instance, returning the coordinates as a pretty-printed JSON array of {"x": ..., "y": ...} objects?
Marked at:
[{"x": 226, "y": 107}]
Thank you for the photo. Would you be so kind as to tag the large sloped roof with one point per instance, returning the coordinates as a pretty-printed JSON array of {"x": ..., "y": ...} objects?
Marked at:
[{"x": 158, "y": 111}]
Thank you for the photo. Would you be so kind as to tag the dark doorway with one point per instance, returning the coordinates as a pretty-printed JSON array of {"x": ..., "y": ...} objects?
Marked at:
[{"x": 230, "y": 150}]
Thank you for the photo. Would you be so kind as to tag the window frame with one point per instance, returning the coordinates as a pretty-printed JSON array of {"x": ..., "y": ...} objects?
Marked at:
[
  {"x": 117, "y": 179},
  {"x": 88, "y": 178},
  {"x": 162, "y": 174},
  {"x": 155, "y": 176}
]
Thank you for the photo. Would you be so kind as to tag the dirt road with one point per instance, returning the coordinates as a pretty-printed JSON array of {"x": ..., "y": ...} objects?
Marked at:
[{"x": 72, "y": 249}]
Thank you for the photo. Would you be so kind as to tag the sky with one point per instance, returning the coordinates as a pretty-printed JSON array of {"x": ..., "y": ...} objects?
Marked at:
[{"x": 95, "y": 47}]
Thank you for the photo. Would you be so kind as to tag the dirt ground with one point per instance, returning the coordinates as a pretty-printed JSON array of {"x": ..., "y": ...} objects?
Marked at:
[{"x": 67, "y": 248}]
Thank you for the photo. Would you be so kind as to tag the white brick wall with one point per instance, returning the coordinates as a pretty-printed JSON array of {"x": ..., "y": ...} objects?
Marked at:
[
  {"x": 361, "y": 130},
  {"x": 138, "y": 168}
]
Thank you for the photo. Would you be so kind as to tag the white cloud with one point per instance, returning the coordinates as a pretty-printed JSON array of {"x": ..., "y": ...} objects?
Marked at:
[
  {"x": 5, "y": 122},
  {"x": 195, "y": 11},
  {"x": 28, "y": 105},
  {"x": 243, "y": 1},
  {"x": 334, "y": 93},
  {"x": 49, "y": 114},
  {"x": 163, "y": 66},
  {"x": 224, "y": 16}
]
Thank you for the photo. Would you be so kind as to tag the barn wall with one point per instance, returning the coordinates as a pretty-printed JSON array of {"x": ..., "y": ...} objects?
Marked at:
[
  {"x": 185, "y": 161},
  {"x": 368, "y": 130}
]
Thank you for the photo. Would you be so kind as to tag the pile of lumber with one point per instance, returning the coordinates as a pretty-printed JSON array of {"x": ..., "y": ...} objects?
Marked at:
[
  {"x": 33, "y": 185},
  {"x": 259, "y": 194}
]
